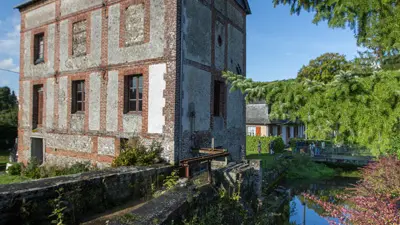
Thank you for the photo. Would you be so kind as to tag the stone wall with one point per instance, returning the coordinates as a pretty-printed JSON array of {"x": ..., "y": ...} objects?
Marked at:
[
  {"x": 214, "y": 41},
  {"x": 84, "y": 194},
  {"x": 112, "y": 52}
]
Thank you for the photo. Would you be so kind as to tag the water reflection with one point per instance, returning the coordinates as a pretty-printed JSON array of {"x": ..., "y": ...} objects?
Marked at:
[{"x": 298, "y": 210}]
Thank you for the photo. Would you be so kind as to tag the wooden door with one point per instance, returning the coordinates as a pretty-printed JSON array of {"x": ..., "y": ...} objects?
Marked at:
[{"x": 258, "y": 131}]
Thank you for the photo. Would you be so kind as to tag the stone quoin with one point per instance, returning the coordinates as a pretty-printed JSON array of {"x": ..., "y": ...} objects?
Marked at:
[{"x": 96, "y": 72}]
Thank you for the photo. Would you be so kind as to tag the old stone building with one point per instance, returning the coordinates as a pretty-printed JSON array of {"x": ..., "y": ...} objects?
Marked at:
[{"x": 96, "y": 72}]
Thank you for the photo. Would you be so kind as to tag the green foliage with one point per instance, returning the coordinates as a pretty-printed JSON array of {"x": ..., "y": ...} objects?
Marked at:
[
  {"x": 302, "y": 167},
  {"x": 32, "y": 169},
  {"x": 374, "y": 22},
  {"x": 252, "y": 144},
  {"x": 15, "y": 169},
  {"x": 359, "y": 109},
  {"x": 8, "y": 118},
  {"x": 324, "y": 68},
  {"x": 136, "y": 154},
  {"x": 171, "y": 180},
  {"x": 59, "y": 207}
]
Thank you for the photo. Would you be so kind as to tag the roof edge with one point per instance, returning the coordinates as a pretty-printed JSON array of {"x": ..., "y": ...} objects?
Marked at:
[{"x": 25, "y": 4}]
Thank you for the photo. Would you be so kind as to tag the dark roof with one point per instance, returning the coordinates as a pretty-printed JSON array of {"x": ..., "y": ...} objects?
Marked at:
[
  {"x": 257, "y": 114},
  {"x": 25, "y": 4},
  {"x": 243, "y": 3}
]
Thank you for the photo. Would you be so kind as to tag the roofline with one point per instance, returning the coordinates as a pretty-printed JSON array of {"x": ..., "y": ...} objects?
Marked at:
[
  {"x": 248, "y": 10},
  {"x": 25, "y": 4}
]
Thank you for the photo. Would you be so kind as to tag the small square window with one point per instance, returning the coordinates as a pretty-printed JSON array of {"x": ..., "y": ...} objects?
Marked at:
[
  {"x": 78, "y": 96},
  {"x": 38, "y": 48},
  {"x": 133, "y": 93}
]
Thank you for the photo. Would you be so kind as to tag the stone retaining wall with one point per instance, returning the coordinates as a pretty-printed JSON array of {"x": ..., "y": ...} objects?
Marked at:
[{"x": 83, "y": 194}]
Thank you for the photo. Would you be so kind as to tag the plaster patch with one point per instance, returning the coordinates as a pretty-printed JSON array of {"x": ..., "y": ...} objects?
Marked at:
[
  {"x": 156, "y": 102},
  {"x": 235, "y": 49},
  {"x": 197, "y": 94},
  {"x": 106, "y": 146},
  {"x": 112, "y": 101},
  {"x": 197, "y": 32},
  {"x": 78, "y": 143},
  {"x": 41, "y": 70},
  {"x": 152, "y": 49},
  {"x": 26, "y": 104},
  {"x": 62, "y": 102},
  {"x": 134, "y": 24},
  {"x": 94, "y": 101},
  {"x": 40, "y": 16},
  {"x": 77, "y": 122},
  {"x": 132, "y": 123},
  {"x": 72, "y": 6},
  {"x": 93, "y": 59},
  {"x": 49, "y": 103}
]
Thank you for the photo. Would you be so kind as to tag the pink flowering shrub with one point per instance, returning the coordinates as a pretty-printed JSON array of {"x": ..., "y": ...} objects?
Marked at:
[{"x": 374, "y": 200}]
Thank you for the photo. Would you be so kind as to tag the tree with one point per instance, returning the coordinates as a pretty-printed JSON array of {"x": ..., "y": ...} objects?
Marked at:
[
  {"x": 374, "y": 22},
  {"x": 354, "y": 108},
  {"x": 324, "y": 67},
  {"x": 373, "y": 200},
  {"x": 8, "y": 117}
]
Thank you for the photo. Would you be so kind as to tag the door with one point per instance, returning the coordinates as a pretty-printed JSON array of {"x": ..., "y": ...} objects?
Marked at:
[
  {"x": 258, "y": 131},
  {"x": 37, "y": 149}
]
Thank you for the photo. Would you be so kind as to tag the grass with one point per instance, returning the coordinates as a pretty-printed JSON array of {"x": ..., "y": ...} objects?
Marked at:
[
  {"x": 267, "y": 159},
  {"x": 3, "y": 159},
  {"x": 7, "y": 179}
]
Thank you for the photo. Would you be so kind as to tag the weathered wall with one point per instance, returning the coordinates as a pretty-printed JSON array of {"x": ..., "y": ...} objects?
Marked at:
[
  {"x": 214, "y": 40},
  {"x": 113, "y": 50},
  {"x": 85, "y": 194}
]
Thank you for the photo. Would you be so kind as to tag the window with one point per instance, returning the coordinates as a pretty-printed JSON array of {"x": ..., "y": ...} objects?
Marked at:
[
  {"x": 79, "y": 38},
  {"x": 78, "y": 96},
  {"x": 219, "y": 95},
  {"x": 251, "y": 131},
  {"x": 133, "y": 93},
  {"x": 38, "y": 48},
  {"x": 37, "y": 106}
]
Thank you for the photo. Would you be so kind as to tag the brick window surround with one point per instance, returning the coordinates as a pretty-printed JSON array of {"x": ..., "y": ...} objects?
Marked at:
[
  {"x": 123, "y": 17},
  {"x": 37, "y": 106},
  {"x": 78, "y": 96},
  {"x": 74, "y": 22},
  {"x": 133, "y": 93},
  {"x": 39, "y": 46}
]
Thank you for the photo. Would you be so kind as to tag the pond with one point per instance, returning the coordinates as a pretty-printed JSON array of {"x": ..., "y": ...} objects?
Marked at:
[{"x": 297, "y": 210}]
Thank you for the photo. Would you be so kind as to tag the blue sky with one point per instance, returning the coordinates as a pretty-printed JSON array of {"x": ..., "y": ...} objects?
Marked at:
[{"x": 278, "y": 44}]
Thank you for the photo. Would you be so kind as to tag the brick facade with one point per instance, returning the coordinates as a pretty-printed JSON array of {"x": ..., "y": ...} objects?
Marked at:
[{"x": 103, "y": 69}]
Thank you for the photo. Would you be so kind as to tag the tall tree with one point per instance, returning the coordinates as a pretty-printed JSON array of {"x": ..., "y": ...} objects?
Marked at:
[
  {"x": 374, "y": 22},
  {"x": 324, "y": 67},
  {"x": 8, "y": 117}
]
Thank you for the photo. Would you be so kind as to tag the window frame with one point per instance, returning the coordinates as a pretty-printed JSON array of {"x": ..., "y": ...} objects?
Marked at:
[
  {"x": 38, "y": 46},
  {"x": 132, "y": 84},
  {"x": 78, "y": 106},
  {"x": 37, "y": 106}
]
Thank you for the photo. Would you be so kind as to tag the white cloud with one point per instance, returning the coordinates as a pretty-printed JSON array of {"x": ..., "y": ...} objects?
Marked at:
[
  {"x": 8, "y": 64},
  {"x": 9, "y": 44}
]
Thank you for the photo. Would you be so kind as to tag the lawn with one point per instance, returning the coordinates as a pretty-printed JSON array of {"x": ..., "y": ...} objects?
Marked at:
[
  {"x": 7, "y": 179},
  {"x": 267, "y": 159},
  {"x": 3, "y": 159}
]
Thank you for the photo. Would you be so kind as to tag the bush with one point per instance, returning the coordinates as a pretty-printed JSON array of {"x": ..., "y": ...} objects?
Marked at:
[
  {"x": 15, "y": 169},
  {"x": 136, "y": 154},
  {"x": 32, "y": 170},
  {"x": 54, "y": 171},
  {"x": 252, "y": 144}
]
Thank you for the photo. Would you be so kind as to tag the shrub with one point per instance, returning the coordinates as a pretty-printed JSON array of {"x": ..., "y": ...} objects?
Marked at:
[
  {"x": 54, "y": 170},
  {"x": 32, "y": 170},
  {"x": 136, "y": 154},
  {"x": 377, "y": 191},
  {"x": 15, "y": 169},
  {"x": 252, "y": 144}
]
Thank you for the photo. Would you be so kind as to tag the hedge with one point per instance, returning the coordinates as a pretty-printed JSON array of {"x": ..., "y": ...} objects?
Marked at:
[{"x": 252, "y": 144}]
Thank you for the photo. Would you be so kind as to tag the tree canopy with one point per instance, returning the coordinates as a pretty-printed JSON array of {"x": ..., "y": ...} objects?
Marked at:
[
  {"x": 8, "y": 117},
  {"x": 374, "y": 22},
  {"x": 353, "y": 108},
  {"x": 324, "y": 67}
]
